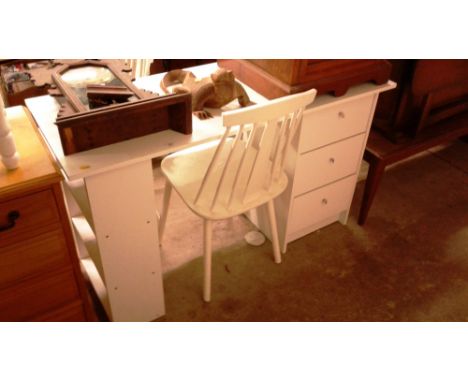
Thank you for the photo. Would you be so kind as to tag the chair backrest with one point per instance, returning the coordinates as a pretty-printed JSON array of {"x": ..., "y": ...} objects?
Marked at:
[{"x": 250, "y": 157}]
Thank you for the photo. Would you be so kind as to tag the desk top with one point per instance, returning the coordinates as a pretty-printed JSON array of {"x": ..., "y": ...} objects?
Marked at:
[
  {"x": 87, "y": 163},
  {"x": 106, "y": 158}
]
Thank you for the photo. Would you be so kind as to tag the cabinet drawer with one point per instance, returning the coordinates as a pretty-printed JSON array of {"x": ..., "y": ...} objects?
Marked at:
[
  {"x": 322, "y": 203},
  {"x": 34, "y": 297},
  {"x": 331, "y": 124},
  {"x": 323, "y": 166},
  {"x": 33, "y": 256},
  {"x": 35, "y": 212},
  {"x": 70, "y": 313}
]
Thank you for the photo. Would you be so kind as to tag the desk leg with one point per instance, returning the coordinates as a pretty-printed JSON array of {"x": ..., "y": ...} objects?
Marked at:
[
  {"x": 126, "y": 228},
  {"x": 376, "y": 170}
]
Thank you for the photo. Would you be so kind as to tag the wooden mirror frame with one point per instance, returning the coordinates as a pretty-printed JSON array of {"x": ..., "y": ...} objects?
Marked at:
[
  {"x": 70, "y": 95},
  {"x": 81, "y": 129}
]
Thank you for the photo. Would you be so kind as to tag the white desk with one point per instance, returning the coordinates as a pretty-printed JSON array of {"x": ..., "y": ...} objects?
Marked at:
[
  {"x": 109, "y": 192},
  {"x": 111, "y": 201}
]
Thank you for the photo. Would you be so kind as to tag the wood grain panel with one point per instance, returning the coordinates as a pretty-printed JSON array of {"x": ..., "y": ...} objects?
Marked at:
[
  {"x": 40, "y": 277},
  {"x": 33, "y": 256},
  {"x": 37, "y": 296},
  {"x": 70, "y": 313},
  {"x": 37, "y": 210}
]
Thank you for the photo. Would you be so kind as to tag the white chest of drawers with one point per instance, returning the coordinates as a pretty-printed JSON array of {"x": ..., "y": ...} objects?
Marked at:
[{"x": 323, "y": 164}]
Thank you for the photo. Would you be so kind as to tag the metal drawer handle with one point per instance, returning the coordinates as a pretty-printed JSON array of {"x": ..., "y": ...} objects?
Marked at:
[
  {"x": 11, "y": 217},
  {"x": 341, "y": 115},
  {"x": 324, "y": 201},
  {"x": 331, "y": 160}
]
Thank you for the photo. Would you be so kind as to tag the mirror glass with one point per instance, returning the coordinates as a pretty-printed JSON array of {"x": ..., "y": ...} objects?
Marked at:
[{"x": 96, "y": 86}]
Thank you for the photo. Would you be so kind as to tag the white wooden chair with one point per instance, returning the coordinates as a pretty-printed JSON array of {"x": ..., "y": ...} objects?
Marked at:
[{"x": 243, "y": 170}]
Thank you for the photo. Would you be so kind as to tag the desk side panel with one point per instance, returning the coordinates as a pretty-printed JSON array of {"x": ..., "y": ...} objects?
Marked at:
[{"x": 126, "y": 226}]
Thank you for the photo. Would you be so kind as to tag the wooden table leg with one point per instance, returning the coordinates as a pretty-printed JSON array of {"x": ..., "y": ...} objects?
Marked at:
[{"x": 376, "y": 168}]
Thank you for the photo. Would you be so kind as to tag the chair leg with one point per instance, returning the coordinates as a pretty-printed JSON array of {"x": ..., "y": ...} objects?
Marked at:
[
  {"x": 274, "y": 231},
  {"x": 207, "y": 233},
  {"x": 163, "y": 218}
]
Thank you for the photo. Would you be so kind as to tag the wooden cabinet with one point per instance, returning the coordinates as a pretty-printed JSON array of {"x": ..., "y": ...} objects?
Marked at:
[
  {"x": 276, "y": 78},
  {"x": 165, "y": 65},
  {"x": 323, "y": 166},
  {"x": 429, "y": 108},
  {"x": 40, "y": 279},
  {"x": 429, "y": 92}
]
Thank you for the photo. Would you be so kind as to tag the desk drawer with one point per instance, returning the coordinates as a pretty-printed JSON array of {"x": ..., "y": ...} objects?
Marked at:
[
  {"x": 318, "y": 205},
  {"x": 36, "y": 211},
  {"x": 34, "y": 297},
  {"x": 323, "y": 166},
  {"x": 33, "y": 256},
  {"x": 331, "y": 124}
]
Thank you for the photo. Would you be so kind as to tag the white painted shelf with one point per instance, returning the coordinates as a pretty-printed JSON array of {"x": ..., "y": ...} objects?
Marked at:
[{"x": 77, "y": 189}]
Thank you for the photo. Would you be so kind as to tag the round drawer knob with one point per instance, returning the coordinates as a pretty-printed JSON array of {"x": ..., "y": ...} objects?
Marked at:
[
  {"x": 324, "y": 201},
  {"x": 341, "y": 115},
  {"x": 331, "y": 160}
]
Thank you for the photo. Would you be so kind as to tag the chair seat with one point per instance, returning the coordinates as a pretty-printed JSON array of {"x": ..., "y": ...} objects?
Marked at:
[{"x": 185, "y": 171}]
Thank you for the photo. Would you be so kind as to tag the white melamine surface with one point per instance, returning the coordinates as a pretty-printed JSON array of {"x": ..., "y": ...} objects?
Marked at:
[
  {"x": 353, "y": 93},
  {"x": 44, "y": 110},
  {"x": 317, "y": 205},
  {"x": 330, "y": 119},
  {"x": 325, "y": 126},
  {"x": 126, "y": 227},
  {"x": 320, "y": 167}
]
